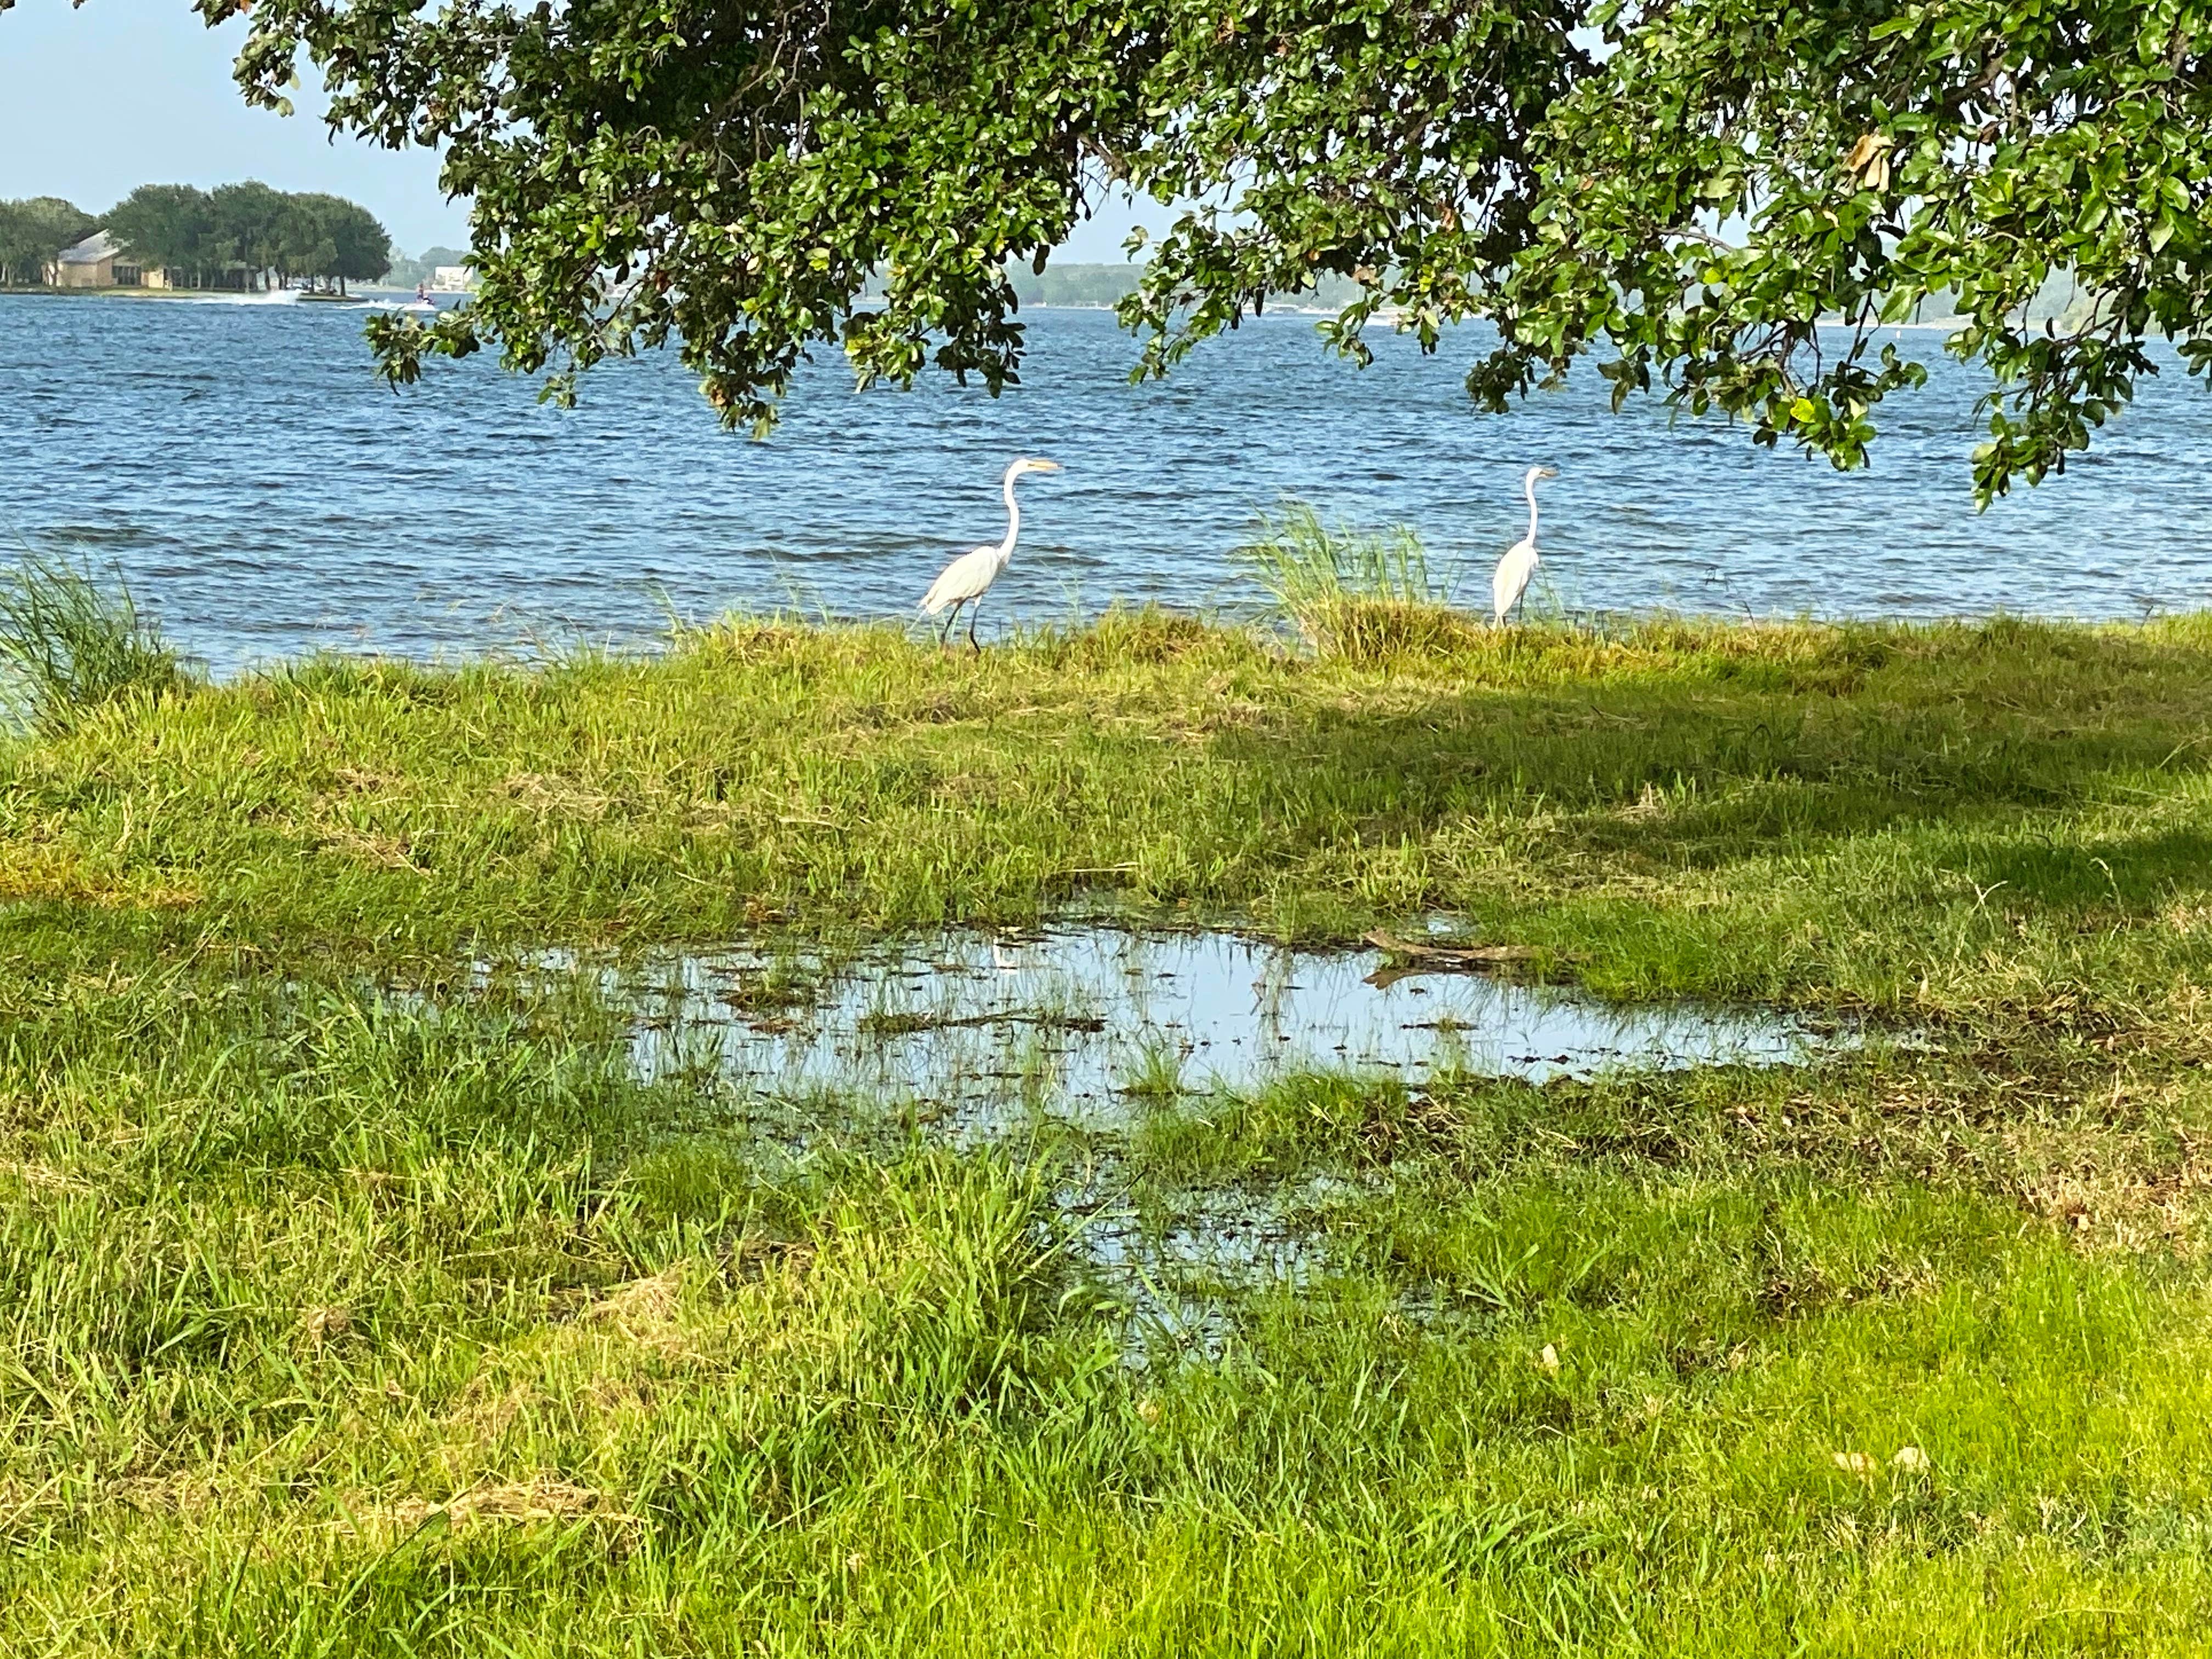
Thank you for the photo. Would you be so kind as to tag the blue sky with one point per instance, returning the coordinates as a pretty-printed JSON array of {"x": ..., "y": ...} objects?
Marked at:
[{"x": 97, "y": 100}]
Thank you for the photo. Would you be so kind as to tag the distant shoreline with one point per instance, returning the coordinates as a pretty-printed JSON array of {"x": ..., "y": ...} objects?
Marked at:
[
  {"x": 110, "y": 293},
  {"x": 1938, "y": 325},
  {"x": 369, "y": 294}
]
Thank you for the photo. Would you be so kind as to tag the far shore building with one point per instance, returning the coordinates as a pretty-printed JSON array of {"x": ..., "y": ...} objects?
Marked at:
[
  {"x": 451, "y": 279},
  {"x": 101, "y": 261}
]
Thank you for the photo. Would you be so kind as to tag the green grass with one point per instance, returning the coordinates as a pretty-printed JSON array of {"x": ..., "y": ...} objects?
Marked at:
[
  {"x": 69, "y": 644},
  {"x": 1955, "y": 822},
  {"x": 1363, "y": 595},
  {"x": 337, "y": 1319}
]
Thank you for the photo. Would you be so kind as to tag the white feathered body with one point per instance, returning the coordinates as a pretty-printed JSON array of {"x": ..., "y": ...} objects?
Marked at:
[
  {"x": 968, "y": 577},
  {"x": 1511, "y": 579}
]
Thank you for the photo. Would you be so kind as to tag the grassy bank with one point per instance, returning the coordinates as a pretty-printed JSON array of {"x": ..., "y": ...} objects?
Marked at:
[
  {"x": 337, "y": 1319},
  {"x": 2007, "y": 819}
]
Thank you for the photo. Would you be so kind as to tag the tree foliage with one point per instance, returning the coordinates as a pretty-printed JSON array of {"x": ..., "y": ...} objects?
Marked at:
[
  {"x": 727, "y": 175},
  {"x": 33, "y": 232},
  {"x": 1733, "y": 172},
  {"x": 248, "y": 223},
  {"x": 249, "y": 227},
  {"x": 1688, "y": 200},
  {"x": 170, "y": 225}
]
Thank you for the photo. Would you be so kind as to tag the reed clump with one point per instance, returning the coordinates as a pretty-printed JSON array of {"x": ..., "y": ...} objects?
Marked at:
[
  {"x": 1361, "y": 595},
  {"x": 70, "y": 642}
]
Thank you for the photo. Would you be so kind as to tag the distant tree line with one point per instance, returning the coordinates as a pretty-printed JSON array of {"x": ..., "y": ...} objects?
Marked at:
[
  {"x": 33, "y": 233},
  {"x": 272, "y": 236},
  {"x": 236, "y": 236},
  {"x": 409, "y": 273}
]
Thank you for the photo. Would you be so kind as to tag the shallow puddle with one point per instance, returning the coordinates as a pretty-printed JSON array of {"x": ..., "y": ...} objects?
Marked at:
[
  {"x": 1075, "y": 1021},
  {"x": 1179, "y": 1275},
  {"x": 973, "y": 1035}
]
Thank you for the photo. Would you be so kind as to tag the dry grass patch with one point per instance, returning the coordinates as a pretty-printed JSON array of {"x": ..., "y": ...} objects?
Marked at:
[{"x": 536, "y": 1500}]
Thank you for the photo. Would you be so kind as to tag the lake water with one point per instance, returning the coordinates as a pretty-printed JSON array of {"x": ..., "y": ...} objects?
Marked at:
[{"x": 266, "y": 495}]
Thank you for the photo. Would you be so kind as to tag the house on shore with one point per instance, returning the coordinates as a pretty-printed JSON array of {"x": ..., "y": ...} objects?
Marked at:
[{"x": 100, "y": 261}]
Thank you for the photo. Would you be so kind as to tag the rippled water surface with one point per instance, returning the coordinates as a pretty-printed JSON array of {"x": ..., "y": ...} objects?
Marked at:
[{"x": 267, "y": 494}]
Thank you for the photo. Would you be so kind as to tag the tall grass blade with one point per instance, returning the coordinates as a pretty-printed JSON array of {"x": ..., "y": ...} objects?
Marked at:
[
  {"x": 70, "y": 643},
  {"x": 1351, "y": 592}
]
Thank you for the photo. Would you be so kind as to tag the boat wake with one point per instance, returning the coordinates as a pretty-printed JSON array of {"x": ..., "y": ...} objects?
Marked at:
[{"x": 282, "y": 297}]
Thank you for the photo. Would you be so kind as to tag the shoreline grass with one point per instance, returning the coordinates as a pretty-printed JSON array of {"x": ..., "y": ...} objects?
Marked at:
[
  {"x": 1946, "y": 822},
  {"x": 352, "y": 1304},
  {"x": 70, "y": 643},
  {"x": 1363, "y": 596}
]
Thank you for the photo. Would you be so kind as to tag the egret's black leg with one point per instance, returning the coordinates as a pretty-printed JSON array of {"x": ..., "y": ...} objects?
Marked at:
[
  {"x": 972, "y": 643},
  {"x": 944, "y": 633}
]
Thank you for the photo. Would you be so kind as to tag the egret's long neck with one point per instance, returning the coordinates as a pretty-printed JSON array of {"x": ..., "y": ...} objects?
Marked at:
[
  {"x": 1532, "y": 509},
  {"x": 1014, "y": 520}
]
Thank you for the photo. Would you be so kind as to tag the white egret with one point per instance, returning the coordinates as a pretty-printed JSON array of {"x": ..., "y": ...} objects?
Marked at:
[
  {"x": 1519, "y": 564},
  {"x": 968, "y": 578}
]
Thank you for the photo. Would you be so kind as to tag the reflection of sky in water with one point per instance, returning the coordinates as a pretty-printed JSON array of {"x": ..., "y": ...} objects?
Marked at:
[
  {"x": 1068, "y": 1019},
  {"x": 977, "y": 1030}
]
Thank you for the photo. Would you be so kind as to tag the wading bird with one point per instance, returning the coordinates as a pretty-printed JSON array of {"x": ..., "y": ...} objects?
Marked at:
[
  {"x": 1519, "y": 564},
  {"x": 968, "y": 578}
]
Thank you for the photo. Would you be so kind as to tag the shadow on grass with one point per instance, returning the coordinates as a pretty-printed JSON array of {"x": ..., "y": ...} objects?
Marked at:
[
  {"x": 1657, "y": 774},
  {"x": 1709, "y": 762}
]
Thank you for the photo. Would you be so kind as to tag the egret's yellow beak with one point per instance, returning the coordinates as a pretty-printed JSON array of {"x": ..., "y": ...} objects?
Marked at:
[
  {"x": 1548, "y": 472},
  {"x": 1045, "y": 466}
]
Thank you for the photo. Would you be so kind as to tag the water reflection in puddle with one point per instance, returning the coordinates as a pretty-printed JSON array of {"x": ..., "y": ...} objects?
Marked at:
[
  {"x": 981, "y": 1034},
  {"x": 1074, "y": 1020}
]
